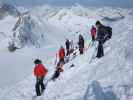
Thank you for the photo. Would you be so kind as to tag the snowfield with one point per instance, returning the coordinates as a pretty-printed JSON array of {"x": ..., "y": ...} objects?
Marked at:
[{"x": 43, "y": 30}]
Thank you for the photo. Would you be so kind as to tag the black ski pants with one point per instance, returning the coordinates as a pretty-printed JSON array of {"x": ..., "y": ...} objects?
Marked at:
[
  {"x": 39, "y": 86},
  {"x": 100, "y": 51}
]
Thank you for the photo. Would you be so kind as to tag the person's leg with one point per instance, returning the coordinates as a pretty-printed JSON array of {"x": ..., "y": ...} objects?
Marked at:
[
  {"x": 56, "y": 75},
  {"x": 98, "y": 52},
  {"x": 59, "y": 61},
  {"x": 62, "y": 61},
  {"x": 67, "y": 52},
  {"x": 92, "y": 37},
  {"x": 102, "y": 51},
  {"x": 38, "y": 93},
  {"x": 93, "y": 40},
  {"x": 42, "y": 84},
  {"x": 82, "y": 50}
]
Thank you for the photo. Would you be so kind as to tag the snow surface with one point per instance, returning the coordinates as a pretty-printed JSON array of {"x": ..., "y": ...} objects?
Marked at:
[{"x": 108, "y": 78}]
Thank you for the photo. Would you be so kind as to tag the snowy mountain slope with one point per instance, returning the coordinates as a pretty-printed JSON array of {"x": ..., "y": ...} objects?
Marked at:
[
  {"x": 6, "y": 30},
  {"x": 109, "y": 78},
  {"x": 31, "y": 30},
  {"x": 9, "y": 23},
  {"x": 37, "y": 32}
]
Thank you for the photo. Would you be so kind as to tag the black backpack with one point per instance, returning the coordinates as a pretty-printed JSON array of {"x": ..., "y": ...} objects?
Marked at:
[{"x": 109, "y": 31}]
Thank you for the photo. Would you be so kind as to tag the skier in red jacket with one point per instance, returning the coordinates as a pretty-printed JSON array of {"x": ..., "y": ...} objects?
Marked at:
[
  {"x": 61, "y": 55},
  {"x": 59, "y": 69},
  {"x": 40, "y": 72},
  {"x": 93, "y": 33}
]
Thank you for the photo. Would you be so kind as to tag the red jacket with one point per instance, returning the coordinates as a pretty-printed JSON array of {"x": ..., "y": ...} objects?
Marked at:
[
  {"x": 93, "y": 31},
  {"x": 62, "y": 53},
  {"x": 40, "y": 70}
]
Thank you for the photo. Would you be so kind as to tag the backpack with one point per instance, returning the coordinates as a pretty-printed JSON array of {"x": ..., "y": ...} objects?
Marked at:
[{"x": 109, "y": 31}]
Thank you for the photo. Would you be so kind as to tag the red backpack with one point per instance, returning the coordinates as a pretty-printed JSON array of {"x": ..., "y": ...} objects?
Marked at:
[
  {"x": 40, "y": 70},
  {"x": 61, "y": 53},
  {"x": 93, "y": 31}
]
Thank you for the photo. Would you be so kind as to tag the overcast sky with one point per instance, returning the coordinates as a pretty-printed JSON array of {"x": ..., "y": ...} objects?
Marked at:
[{"x": 95, "y": 3}]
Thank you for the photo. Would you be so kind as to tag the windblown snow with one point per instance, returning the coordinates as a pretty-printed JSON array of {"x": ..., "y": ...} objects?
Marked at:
[{"x": 39, "y": 33}]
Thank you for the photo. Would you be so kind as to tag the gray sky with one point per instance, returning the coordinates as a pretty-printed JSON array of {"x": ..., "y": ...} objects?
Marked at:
[{"x": 95, "y": 3}]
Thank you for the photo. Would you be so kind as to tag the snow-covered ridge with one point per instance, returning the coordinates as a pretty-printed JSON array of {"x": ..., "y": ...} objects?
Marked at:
[
  {"x": 67, "y": 16},
  {"x": 82, "y": 11},
  {"x": 29, "y": 29}
]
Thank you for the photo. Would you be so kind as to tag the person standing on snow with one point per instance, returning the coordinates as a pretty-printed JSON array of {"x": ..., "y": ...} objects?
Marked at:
[
  {"x": 59, "y": 69},
  {"x": 100, "y": 39},
  {"x": 62, "y": 55},
  {"x": 67, "y": 47},
  {"x": 71, "y": 47},
  {"x": 104, "y": 33},
  {"x": 81, "y": 44},
  {"x": 93, "y": 33},
  {"x": 40, "y": 72}
]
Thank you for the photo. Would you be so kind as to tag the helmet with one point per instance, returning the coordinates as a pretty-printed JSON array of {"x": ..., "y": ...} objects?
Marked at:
[
  {"x": 93, "y": 26},
  {"x": 61, "y": 47},
  {"x": 98, "y": 23},
  {"x": 37, "y": 61},
  {"x": 67, "y": 39},
  {"x": 80, "y": 36}
]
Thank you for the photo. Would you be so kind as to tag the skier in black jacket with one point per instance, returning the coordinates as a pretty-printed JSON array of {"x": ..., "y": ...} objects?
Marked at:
[
  {"x": 81, "y": 44},
  {"x": 104, "y": 33},
  {"x": 67, "y": 47},
  {"x": 100, "y": 39}
]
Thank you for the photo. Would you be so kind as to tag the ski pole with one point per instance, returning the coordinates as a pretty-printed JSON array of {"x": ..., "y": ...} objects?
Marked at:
[{"x": 56, "y": 58}]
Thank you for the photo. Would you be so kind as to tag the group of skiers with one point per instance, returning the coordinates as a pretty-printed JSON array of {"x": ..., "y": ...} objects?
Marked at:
[
  {"x": 99, "y": 33},
  {"x": 64, "y": 54}
]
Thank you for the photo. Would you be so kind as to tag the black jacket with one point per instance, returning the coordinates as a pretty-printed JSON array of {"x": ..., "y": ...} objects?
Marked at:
[
  {"x": 67, "y": 44},
  {"x": 102, "y": 33},
  {"x": 81, "y": 42}
]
